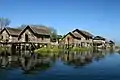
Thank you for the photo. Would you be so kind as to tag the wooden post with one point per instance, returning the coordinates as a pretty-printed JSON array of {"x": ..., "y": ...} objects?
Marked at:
[
  {"x": 19, "y": 49},
  {"x": 30, "y": 48},
  {"x": 68, "y": 42},
  {"x": 12, "y": 48},
  {"x": 15, "y": 48},
  {"x": 5, "y": 49},
  {"x": 25, "y": 49}
]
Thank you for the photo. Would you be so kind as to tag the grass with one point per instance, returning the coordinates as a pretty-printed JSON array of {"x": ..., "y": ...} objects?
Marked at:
[
  {"x": 55, "y": 50},
  {"x": 2, "y": 49},
  {"x": 80, "y": 49},
  {"x": 48, "y": 50}
]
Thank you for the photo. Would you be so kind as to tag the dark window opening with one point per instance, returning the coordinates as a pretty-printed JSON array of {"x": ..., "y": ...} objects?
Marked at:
[
  {"x": 68, "y": 39},
  {"x": 42, "y": 38},
  {"x": 26, "y": 37},
  {"x": 1, "y": 37}
]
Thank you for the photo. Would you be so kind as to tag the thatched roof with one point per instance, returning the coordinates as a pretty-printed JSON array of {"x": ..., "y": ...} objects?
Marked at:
[
  {"x": 77, "y": 35},
  {"x": 111, "y": 42},
  {"x": 12, "y": 31},
  {"x": 80, "y": 34},
  {"x": 36, "y": 30},
  {"x": 87, "y": 33},
  {"x": 99, "y": 38},
  {"x": 74, "y": 35},
  {"x": 40, "y": 30},
  {"x": 84, "y": 33}
]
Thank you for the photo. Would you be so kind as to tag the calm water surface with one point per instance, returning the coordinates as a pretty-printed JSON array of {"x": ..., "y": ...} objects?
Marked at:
[{"x": 100, "y": 65}]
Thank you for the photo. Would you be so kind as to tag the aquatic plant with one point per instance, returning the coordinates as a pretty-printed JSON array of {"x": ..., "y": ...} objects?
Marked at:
[{"x": 81, "y": 49}]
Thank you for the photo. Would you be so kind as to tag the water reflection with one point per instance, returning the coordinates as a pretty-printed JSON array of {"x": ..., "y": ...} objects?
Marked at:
[
  {"x": 28, "y": 64},
  {"x": 79, "y": 59},
  {"x": 34, "y": 64},
  {"x": 31, "y": 63}
]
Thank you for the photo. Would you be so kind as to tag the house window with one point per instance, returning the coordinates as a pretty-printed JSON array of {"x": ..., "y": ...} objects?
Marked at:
[
  {"x": 68, "y": 39},
  {"x": 26, "y": 37},
  {"x": 1, "y": 37}
]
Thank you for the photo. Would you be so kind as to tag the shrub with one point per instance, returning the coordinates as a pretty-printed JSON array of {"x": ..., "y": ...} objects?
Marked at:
[
  {"x": 47, "y": 50},
  {"x": 80, "y": 49}
]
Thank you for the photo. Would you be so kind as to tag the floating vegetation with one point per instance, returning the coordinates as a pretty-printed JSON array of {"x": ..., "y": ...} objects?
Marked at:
[
  {"x": 48, "y": 50},
  {"x": 80, "y": 49}
]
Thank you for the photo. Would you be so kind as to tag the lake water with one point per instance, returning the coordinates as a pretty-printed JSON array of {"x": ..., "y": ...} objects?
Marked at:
[{"x": 102, "y": 65}]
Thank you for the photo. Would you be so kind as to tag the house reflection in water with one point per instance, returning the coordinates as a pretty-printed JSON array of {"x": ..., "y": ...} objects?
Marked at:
[
  {"x": 34, "y": 63},
  {"x": 29, "y": 64},
  {"x": 77, "y": 59},
  {"x": 4, "y": 62},
  {"x": 9, "y": 62},
  {"x": 98, "y": 55}
]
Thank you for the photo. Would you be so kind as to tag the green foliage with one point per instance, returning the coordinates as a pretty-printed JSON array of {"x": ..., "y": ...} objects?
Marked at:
[
  {"x": 80, "y": 49},
  {"x": 59, "y": 37},
  {"x": 2, "y": 49},
  {"x": 48, "y": 50},
  {"x": 53, "y": 33}
]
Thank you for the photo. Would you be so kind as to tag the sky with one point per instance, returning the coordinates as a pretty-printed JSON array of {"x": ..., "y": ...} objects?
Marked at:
[{"x": 100, "y": 17}]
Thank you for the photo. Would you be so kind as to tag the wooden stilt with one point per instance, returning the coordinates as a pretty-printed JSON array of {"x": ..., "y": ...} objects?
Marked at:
[{"x": 19, "y": 49}]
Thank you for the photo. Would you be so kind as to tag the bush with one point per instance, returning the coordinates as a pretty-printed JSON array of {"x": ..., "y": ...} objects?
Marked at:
[
  {"x": 48, "y": 50},
  {"x": 2, "y": 49},
  {"x": 80, "y": 49},
  {"x": 54, "y": 49}
]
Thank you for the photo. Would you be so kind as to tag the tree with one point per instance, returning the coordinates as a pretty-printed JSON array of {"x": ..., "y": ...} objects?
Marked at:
[
  {"x": 54, "y": 35},
  {"x": 4, "y": 22},
  {"x": 59, "y": 36}
]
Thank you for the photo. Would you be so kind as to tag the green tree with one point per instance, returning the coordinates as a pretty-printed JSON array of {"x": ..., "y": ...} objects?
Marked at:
[
  {"x": 4, "y": 22},
  {"x": 59, "y": 36},
  {"x": 54, "y": 35}
]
